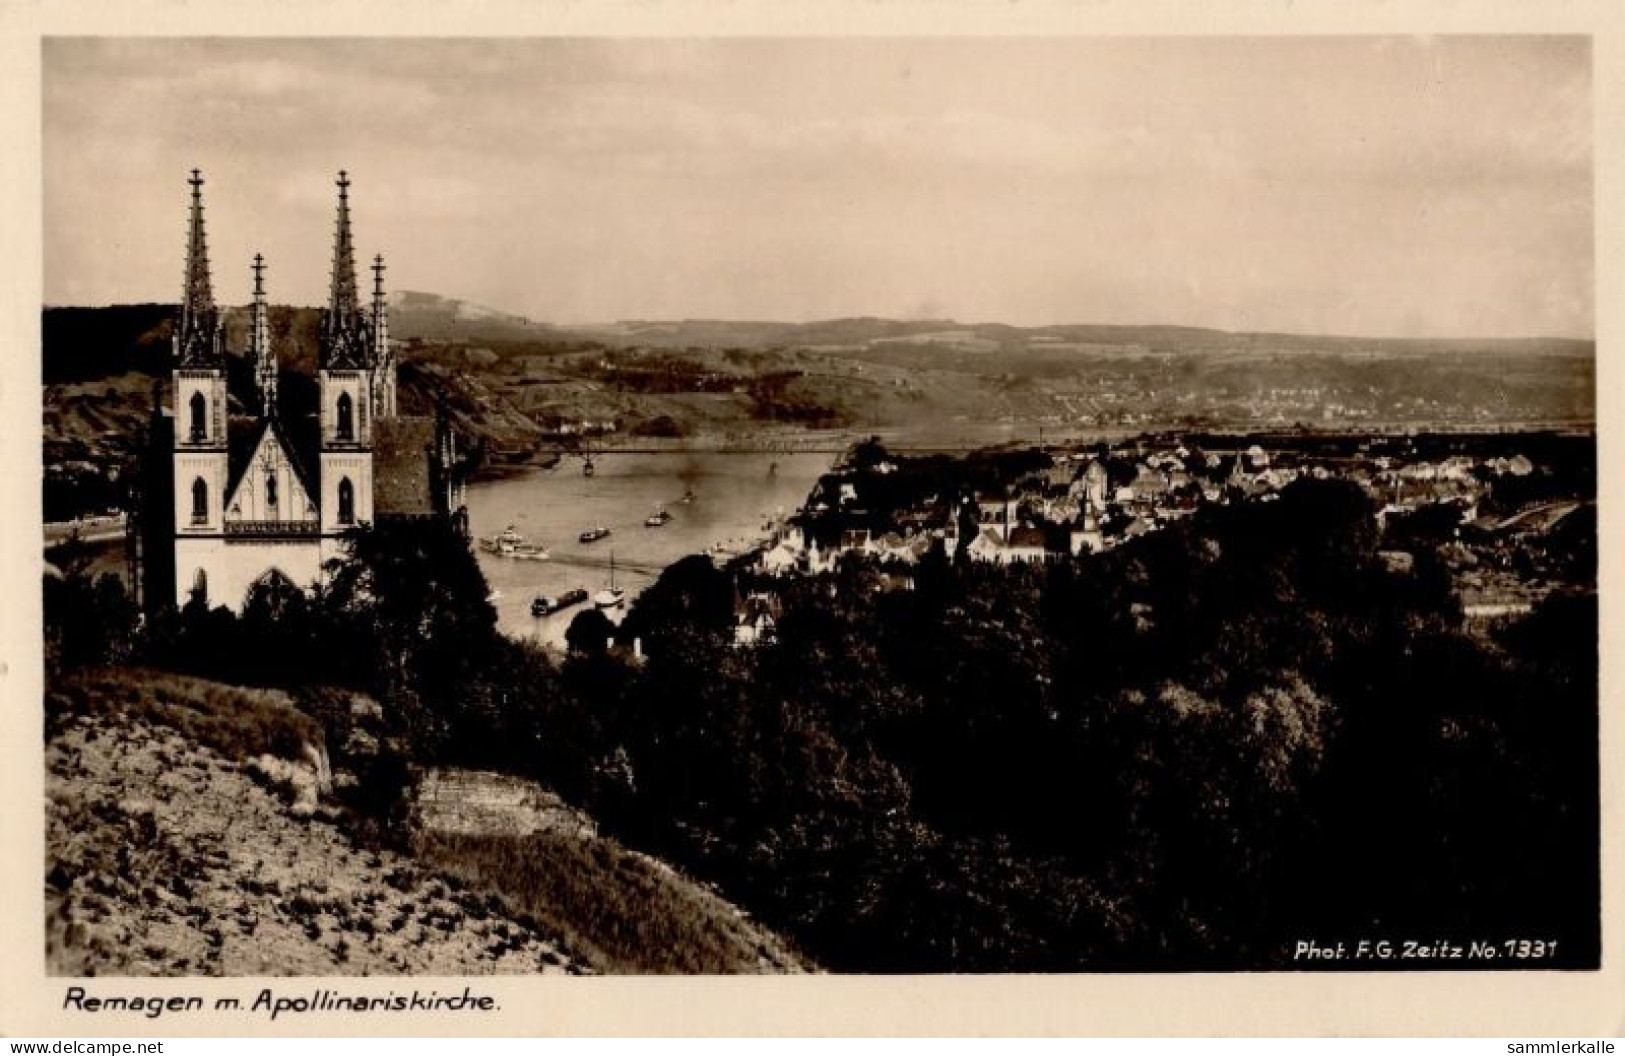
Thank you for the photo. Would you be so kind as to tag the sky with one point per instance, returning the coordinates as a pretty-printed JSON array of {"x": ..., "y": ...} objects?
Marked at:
[{"x": 1382, "y": 186}]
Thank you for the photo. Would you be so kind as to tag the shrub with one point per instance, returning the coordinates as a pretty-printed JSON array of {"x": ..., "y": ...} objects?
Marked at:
[
  {"x": 615, "y": 909},
  {"x": 238, "y": 723}
]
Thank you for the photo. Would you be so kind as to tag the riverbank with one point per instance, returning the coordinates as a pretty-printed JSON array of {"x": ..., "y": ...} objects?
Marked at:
[
  {"x": 95, "y": 529},
  {"x": 729, "y": 496}
]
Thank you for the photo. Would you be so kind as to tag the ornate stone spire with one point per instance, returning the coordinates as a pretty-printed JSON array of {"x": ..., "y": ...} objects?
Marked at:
[
  {"x": 197, "y": 338},
  {"x": 260, "y": 353},
  {"x": 342, "y": 325},
  {"x": 380, "y": 313},
  {"x": 383, "y": 362}
]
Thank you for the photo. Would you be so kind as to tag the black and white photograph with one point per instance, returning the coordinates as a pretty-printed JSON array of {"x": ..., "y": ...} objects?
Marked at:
[{"x": 861, "y": 505}]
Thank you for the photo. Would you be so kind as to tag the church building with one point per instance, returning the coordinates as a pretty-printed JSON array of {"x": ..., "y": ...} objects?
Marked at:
[{"x": 261, "y": 482}]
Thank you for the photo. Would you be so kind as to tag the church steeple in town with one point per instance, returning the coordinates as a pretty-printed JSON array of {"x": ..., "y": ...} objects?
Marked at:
[
  {"x": 377, "y": 284},
  {"x": 380, "y": 314},
  {"x": 240, "y": 494},
  {"x": 198, "y": 339},
  {"x": 343, "y": 340},
  {"x": 383, "y": 361},
  {"x": 343, "y": 301},
  {"x": 260, "y": 353}
]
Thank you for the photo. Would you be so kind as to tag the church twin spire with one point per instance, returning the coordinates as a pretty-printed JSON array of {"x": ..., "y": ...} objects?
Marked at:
[
  {"x": 198, "y": 338},
  {"x": 349, "y": 338},
  {"x": 383, "y": 360},
  {"x": 259, "y": 346},
  {"x": 257, "y": 482},
  {"x": 344, "y": 338}
]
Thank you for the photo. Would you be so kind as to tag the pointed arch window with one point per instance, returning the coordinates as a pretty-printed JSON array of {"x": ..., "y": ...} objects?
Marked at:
[
  {"x": 346, "y": 416},
  {"x": 200, "y": 415},
  {"x": 200, "y": 502},
  {"x": 346, "y": 501},
  {"x": 270, "y": 487}
]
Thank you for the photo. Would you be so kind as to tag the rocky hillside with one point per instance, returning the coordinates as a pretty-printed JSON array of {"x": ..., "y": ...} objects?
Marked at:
[
  {"x": 191, "y": 830},
  {"x": 511, "y": 836},
  {"x": 519, "y": 391},
  {"x": 99, "y": 366},
  {"x": 167, "y": 858}
]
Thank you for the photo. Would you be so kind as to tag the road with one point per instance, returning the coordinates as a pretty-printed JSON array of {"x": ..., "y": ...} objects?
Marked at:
[{"x": 86, "y": 530}]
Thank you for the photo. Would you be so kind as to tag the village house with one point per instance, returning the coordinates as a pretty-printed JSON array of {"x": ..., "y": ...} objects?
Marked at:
[
  {"x": 784, "y": 557},
  {"x": 1085, "y": 535},
  {"x": 756, "y": 619},
  {"x": 995, "y": 515},
  {"x": 1023, "y": 544}
]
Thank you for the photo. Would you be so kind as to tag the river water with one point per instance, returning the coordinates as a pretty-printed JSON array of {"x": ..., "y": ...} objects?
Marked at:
[{"x": 732, "y": 495}]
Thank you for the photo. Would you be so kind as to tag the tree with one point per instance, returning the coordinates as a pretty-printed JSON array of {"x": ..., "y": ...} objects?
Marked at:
[
  {"x": 87, "y": 622},
  {"x": 866, "y": 454},
  {"x": 692, "y": 594},
  {"x": 590, "y": 632},
  {"x": 663, "y": 425},
  {"x": 406, "y": 615},
  {"x": 278, "y": 633},
  {"x": 416, "y": 590}
]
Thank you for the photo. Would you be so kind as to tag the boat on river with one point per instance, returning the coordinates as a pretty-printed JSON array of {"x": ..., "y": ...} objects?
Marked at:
[
  {"x": 657, "y": 519},
  {"x": 509, "y": 543},
  {"x": 547, "y": 605},
  {"x": 611, "y": 596},
  {"x": 592, "y": 535}
]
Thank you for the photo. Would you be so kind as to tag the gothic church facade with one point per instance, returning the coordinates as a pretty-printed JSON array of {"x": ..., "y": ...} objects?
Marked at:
[{"x": 260, "y": 487}]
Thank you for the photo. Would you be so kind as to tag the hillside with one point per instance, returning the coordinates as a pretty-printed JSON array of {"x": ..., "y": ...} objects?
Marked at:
[
  {"x": 518, "y": 390},
  {"x": 169, "y": 860},
  {"x": 187, "y": 833},
  {"x": 99, "y": 366},
  {"x": 432, "y": 317}
]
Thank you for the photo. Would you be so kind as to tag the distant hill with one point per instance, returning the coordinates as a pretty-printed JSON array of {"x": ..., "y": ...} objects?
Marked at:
[
  {"x": 854, "y": 333},
  {"x": 88, "y": 343},
  {"x": 515, "y": 387},
  {"x": 431, "y": 317}
]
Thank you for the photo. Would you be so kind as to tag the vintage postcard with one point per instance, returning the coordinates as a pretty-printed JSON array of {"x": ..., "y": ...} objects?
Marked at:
[{"x": 978, "y": 524}]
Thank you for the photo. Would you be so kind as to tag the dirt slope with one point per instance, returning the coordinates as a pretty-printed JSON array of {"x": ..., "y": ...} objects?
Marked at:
[
  {"x": 191, "y": 829},
  {"x": 165, "y": 858}
]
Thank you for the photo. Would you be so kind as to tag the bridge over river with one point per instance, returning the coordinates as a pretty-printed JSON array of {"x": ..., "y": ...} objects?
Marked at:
[
  {"x": 594, "y": 561},
  {"x": 969, "y": 437}
]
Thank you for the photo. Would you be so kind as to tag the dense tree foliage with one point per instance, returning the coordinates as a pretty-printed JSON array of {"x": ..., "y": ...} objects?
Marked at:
[
  {"x": 1189, "y": 751},
  {"x": 87, "y": 621}
]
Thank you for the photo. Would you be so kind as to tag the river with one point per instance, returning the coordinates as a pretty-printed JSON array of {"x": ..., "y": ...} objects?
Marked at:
[{"x": 732, "y": 495}]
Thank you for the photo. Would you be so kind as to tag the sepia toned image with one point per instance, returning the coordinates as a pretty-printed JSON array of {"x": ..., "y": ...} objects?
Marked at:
[{"x": 608, "y": 506}]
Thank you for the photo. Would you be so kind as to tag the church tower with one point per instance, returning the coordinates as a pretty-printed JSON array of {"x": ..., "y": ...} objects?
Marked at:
[
  {"x": 345, "y": 377},
  {"x": 200, "y": 459},
  {"x": 383, "y": 360},
  {"x": 260, "y": 355}
]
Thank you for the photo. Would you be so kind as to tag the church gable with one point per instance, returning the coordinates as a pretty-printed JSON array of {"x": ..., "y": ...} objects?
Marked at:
[
  {"x": 268, "y": 486},
  {"x": 272, "y": 491}
]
